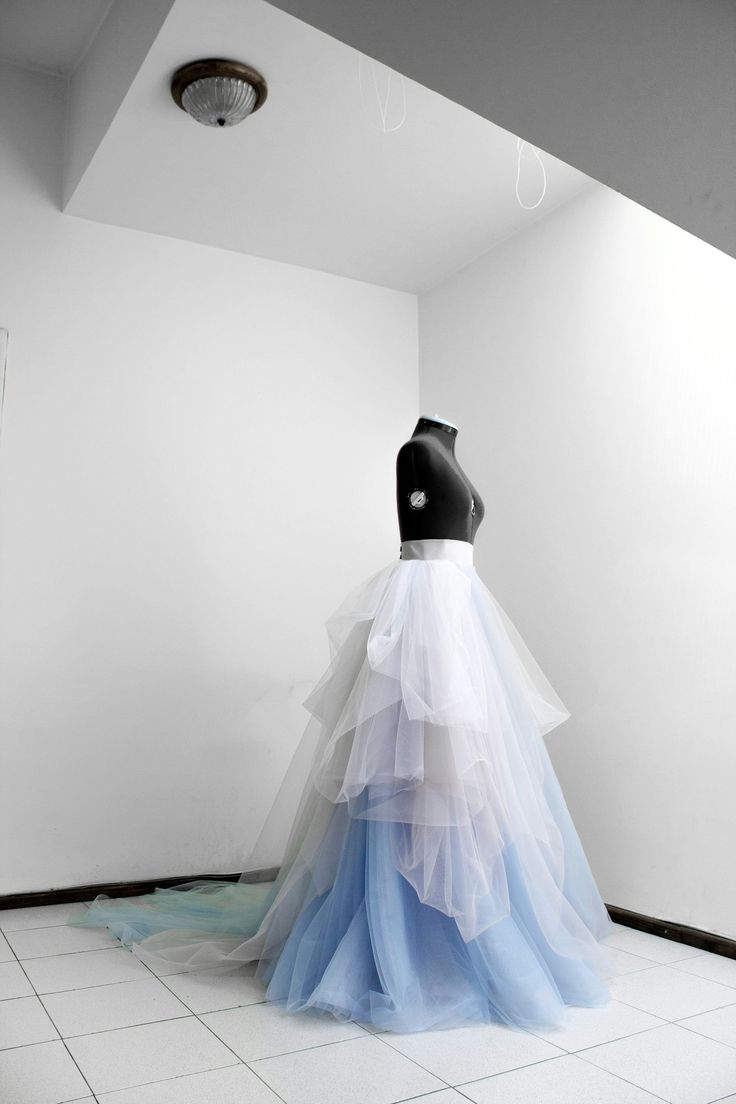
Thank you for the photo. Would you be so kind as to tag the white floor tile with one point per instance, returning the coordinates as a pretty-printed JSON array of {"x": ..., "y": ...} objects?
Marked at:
[
  {"x": 359, "y": 1071},
  {"x": 204, "y": 993},
  {"x": 592, "y": 1026},
  {"x": 105, "y": 1007},
  {"x": 167, "y": 970},
  {"x": 564, "y": 1080},
  {"x": 22, "y": 1021},
  {"x": 152, "y": 1052},
  {"x": 675, "y": 1064},
  {"x": 264, "y": 1030},
  {"x": 6, "y": 953},
  {"x": 232, "y": 1085},
  {"x": 711, "y": 966},
  {"x": 40, "y": 1074},
  {"x": 76, "y": 971},
  {"x": 13, "y": 982},
  {"x": 42, "y": 942},
  {"x": 627, "y": 963},
  {"x": 460, "y": 1054},
  {"x": 36, "y": 916},
  {"x": 720, "y": 1024},
  {"x": 443, "y": 1096},
  {"x": 654, "y": 947},
  {"x": 669, "y": 993}
]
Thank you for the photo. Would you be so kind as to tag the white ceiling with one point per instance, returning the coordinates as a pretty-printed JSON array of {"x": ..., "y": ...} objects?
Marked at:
[
  {"x": 52, "y": 35},
  {"x": 310, "y": 179},
  {"x": 640, "y": 96}
]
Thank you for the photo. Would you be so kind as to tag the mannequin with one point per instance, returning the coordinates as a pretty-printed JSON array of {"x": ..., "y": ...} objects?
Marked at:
[
  {"x": 434, "y": 497},
  {"x": 432, "y": 875}
]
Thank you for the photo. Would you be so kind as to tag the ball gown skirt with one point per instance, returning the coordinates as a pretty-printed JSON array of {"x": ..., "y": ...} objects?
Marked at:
[{"x": 432, "y": 875}]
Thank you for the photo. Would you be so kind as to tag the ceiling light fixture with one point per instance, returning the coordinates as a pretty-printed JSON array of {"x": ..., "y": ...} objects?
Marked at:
[{"x": 217, "y": 92}]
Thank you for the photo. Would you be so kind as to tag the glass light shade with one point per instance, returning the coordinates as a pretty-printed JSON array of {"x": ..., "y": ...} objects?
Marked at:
[{"x": 219, "y": 101}]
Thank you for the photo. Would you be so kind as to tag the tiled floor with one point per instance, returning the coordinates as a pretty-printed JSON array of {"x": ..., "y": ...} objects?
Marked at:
[{"x": 82, "y": 1019}]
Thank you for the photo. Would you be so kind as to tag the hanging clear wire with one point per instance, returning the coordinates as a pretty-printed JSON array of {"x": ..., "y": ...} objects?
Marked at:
[
  {"x": 393, "y": 81},
  {"x": 520, "y": 143}
]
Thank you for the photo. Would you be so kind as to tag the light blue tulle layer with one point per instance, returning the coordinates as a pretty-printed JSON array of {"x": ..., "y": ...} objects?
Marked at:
[
  {"x": 369, "y": 950},
  {"x": 424, "y": 975}
]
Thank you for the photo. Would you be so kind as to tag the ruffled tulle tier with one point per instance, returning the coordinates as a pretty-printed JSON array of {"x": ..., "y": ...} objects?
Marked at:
[
  {"x": 432, "y": 875},
  {"x": 369, "y": 950}
]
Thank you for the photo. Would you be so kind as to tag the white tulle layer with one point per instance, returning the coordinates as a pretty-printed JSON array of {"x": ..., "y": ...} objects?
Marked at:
[
  {"x": 432, "y": 711},
  {"x": 429, "y": 717}
]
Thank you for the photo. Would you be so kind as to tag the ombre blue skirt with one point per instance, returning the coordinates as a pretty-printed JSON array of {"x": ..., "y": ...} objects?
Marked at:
[{"x": 433, "y": 876}]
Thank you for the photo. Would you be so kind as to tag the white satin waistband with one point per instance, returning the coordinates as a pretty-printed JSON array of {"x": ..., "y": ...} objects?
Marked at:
[{"x": 459, "y": 551}]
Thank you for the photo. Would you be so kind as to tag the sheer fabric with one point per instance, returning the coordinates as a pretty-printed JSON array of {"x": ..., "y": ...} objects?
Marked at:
[{"x": 432, "y": 874}]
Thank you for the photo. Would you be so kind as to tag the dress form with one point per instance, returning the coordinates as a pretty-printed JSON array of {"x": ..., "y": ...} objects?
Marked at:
[{"x": 434, "y": 497}]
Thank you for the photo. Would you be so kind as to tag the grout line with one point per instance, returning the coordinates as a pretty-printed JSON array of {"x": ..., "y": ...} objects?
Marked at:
[
  {"x": 162, "y": 1081},
  {"x": 690, "y": 973},
  {"x": 653, "y": 961},
  {"x": 630, "y": 1035},
  {"x": 627, "y": 1035},
  {"x": 264, "y": 1082},
  {"x": 423, "y": 1096},
  {"x": 626, "y": 1080},
  {"x": 60, "y": 1039},
  {"x": 35, "y": 927},
  {"x": 664, "y": 1018},
  {"x": 39, "y": 927},
  {"x": 121, "y": 1027},
  {"x": 526, "y": 1065},
  {"x": 76, "y": 989},
  {"x": 419, "y": 1096},
  {"x": 419, "y": 1064},
  {"x": 65, "y": 954},
  {"x": 555, "y": 1057},
  {"x": 694, "y": 1030},
  {"x": 685, "y": 958},
  {"x": 314, "y": 1046}
]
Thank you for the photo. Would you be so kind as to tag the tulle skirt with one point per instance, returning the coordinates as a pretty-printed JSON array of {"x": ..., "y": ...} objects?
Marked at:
[{"x": 432, "y": 874}]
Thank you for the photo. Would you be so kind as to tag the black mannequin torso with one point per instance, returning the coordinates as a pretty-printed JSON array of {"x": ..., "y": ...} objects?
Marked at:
[{"x": 451, "y": 507}]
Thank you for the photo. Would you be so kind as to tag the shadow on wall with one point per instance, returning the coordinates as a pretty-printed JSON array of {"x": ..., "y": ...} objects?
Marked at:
[{"x": 32, "y": 128}]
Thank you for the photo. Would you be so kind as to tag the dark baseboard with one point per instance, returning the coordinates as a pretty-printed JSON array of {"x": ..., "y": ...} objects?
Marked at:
[
  {"x": 122, "y": 889},
  {"x": 678, "y": 933}
]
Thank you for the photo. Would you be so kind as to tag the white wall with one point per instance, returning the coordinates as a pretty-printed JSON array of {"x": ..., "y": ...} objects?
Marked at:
[
  {"x": 197, "y": 463},
  {"x": 590, "y": 363}
]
